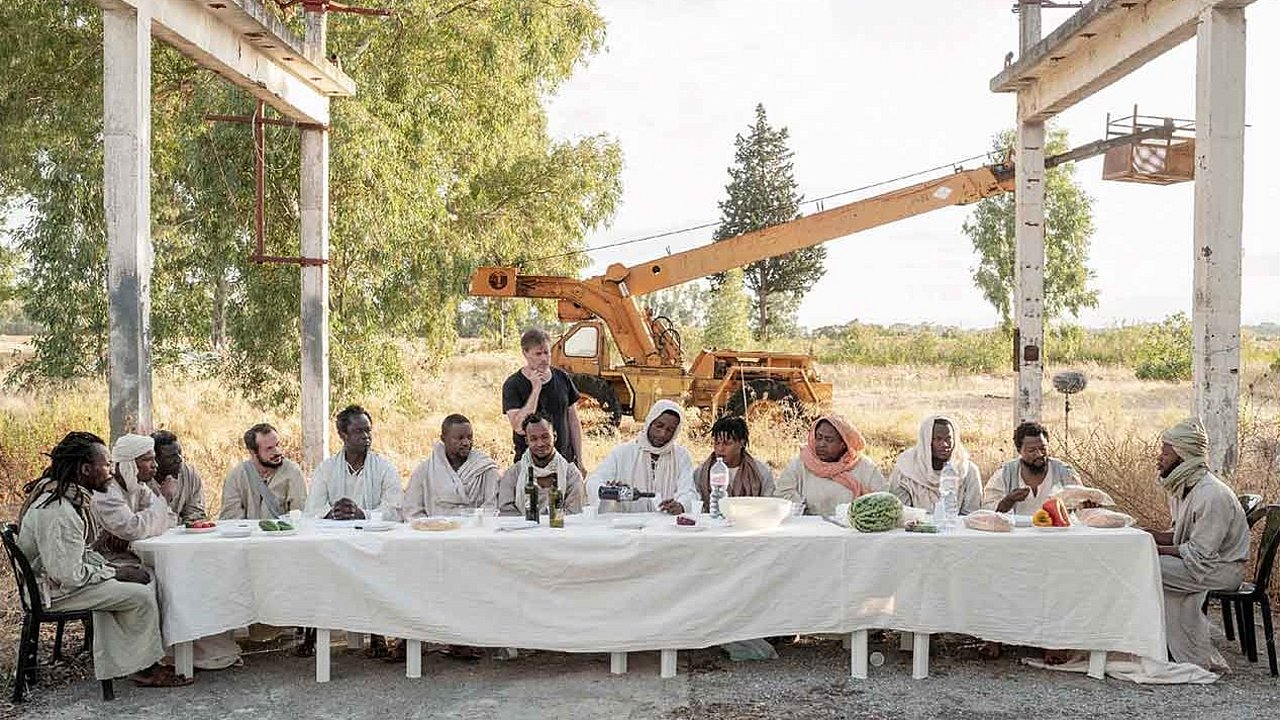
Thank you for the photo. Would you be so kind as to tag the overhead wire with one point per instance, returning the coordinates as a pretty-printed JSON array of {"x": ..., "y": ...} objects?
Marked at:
[{"x": 955, "y": 164}]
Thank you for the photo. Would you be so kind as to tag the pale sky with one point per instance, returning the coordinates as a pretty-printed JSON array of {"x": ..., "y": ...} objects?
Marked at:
[{"x": 871, "y": 91}]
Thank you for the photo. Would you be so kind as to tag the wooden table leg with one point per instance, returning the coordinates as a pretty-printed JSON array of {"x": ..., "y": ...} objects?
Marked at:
[
  {"x": 858, "y": 654},
  {"x": 920, "y": 656},
  {"x": 322, "y": 655}
]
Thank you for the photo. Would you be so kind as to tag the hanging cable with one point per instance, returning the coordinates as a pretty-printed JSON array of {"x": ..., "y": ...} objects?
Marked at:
[{"x": 954, "y": 165}]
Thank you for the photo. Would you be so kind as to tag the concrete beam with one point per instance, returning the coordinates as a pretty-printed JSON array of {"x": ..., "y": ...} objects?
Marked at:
[
  {"x": 248, "y": 45},
  {"x": 1218, "y": 216},
  {"x": 1098, "y": 45},
  {"x": 126, "y": 143}
]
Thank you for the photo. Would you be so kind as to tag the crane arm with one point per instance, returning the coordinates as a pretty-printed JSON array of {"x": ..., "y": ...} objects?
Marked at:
[{"x": 961, "y": 188}]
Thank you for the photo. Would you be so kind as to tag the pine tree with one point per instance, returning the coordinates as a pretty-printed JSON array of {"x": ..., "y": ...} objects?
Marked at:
[
  {"x": 762, "y": 191},
  {"x": 727, "y": 317}
]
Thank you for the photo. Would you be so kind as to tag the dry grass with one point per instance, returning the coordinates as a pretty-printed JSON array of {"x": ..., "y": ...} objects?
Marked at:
[{"x": 1114, "y": 425}]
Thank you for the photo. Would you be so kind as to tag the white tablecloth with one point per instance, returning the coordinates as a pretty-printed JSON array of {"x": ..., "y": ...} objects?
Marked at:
[{"x": 589, "y": 588}]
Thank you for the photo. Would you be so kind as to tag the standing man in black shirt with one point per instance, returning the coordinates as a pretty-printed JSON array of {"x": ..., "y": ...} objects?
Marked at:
[{"x": 538, "y": 387}]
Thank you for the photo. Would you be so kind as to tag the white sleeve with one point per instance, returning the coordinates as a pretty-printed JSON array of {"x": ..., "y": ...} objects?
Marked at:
[
  {"x": 318, "y": 504},
  {"x": 392, "y": 491},
  {"x": 607, "y": 470},
  {"x": 686, "y": 492}
]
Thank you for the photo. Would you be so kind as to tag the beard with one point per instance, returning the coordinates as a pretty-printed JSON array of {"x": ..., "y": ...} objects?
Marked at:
[
  {"x": 273, "y": 464},
  {"x": 1036, "y": 466}
]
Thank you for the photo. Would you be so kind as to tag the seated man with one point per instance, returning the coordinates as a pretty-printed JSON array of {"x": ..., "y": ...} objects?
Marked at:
[
  {"x": 1207, "y": 548},
  {"x": 355, "y": 481},
  {"x": 1023, "y": 484},
  {"x": 830, "y": 468},
  {"x": 352, "y": 485},
  {"x": 55, "y": 532},
  {"x": 265, "y": 486},
  {"x": 652, "y": 462},
  {"x": 188, "y": 503},
  {"x": 456, "y": 477},
  {"x": 747, "y": 475},
  {"x": 127, "y": 510},
  {"x": 916, "y": 474},
  {"x": 548, "y": 465}
]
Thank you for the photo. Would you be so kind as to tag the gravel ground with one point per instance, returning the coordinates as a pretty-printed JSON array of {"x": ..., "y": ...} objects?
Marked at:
[{"x": 810, "y": 680}]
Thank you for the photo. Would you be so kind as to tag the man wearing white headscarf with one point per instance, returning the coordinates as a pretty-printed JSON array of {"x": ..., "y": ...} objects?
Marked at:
[
  {"x": 917, "y": 473},
  {"x": 1207, "y": 548},
  {"x": 652, "y": 462},
  {"x": 129, "y": 510}
]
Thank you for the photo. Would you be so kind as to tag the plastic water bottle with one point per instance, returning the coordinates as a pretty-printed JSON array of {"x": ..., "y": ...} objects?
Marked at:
[
  {"x": 946, "y": 512},
  {"x": 719, "y": 477}
]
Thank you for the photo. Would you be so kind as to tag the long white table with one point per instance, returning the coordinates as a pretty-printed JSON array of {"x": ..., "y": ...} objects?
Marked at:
[{"x": 591, "y": 588}]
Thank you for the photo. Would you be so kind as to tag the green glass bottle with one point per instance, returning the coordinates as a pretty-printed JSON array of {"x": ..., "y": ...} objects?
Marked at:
[
  {"x": 555, "y": 503},
  {"x": 531, "y": 498}
]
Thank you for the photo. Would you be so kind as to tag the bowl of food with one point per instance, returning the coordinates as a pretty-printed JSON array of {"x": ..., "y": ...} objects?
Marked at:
[
  {"x": 755, "y": 513},
  {"x": 199, "y": 527}
]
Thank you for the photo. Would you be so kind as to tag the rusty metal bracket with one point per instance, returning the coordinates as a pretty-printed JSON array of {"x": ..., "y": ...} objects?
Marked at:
[{"x": 258, "y": 121}]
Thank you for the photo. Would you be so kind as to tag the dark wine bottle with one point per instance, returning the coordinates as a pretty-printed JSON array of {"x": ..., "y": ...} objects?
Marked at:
[
  {"x": 555, "y": 503},
  {"x": 531, "y": 498},
  {"x": 623, "y": 493}
]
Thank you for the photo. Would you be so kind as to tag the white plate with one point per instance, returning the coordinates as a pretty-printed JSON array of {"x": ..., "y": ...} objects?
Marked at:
[
  {"x": 1050, "y": 529},
  {"x": 234, "y": 531},
  {"x": 689, "y": 528},
  {"x": 278, "y": 533},
  {"x": 327, "y": 524},
  {"x": 199, "y": 531},
  {"x": 517, "y": 524}
]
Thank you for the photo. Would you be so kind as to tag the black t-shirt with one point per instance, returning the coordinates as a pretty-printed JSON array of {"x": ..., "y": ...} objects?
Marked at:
[{"x": 553, "y": 403}]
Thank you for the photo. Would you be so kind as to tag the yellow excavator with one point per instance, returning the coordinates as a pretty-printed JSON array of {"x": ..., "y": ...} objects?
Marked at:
[{"x": 652, "y": 366}]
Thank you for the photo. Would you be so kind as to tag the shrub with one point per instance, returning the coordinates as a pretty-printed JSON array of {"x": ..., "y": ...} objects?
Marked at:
[{"x": 1165, "y": 352}]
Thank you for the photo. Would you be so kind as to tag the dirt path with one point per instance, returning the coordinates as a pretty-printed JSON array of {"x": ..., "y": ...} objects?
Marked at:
[{"x": 809, "y": 681}]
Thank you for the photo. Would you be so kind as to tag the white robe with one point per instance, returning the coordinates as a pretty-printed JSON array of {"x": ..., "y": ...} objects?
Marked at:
[
  {"x": 435, "y": 488},
  {"x": 375, "y": 487},
  {"x": 618, "y": 466},
  {"x": 1008, "y": 477},
  {"x": 821, "y": 495},
  {"x": 1212, "y": 537}
]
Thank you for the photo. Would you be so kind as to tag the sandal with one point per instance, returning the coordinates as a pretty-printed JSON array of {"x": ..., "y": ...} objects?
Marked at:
[{"x": 160, "y": 677}]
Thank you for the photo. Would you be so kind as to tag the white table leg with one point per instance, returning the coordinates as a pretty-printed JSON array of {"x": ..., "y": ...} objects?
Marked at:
[
  {"x": 322, "y": 655},
  {"x": 668, "y": 663},
  {"x": 355, "y": 641},
  {"x": 1098, "y": 664},
  {"x": 184, "y": 659},
  {"x": 920, "y": 656},
  {"x": 413, "y": 658},
  {"x": 904, "y": 641},
  {"x": 858, "y": 654},
  {"x": 618, "y": 663}
]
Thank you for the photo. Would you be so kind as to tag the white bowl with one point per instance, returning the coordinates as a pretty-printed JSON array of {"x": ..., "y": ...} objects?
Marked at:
[{"x": 755, "y": 513}]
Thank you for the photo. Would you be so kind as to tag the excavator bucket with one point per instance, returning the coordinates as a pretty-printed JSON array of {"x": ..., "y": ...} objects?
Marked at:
[{"x": 1152, "y": 164}]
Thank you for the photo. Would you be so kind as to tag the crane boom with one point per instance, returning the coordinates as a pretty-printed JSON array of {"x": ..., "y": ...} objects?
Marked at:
[{"x": 609, "y": 296}]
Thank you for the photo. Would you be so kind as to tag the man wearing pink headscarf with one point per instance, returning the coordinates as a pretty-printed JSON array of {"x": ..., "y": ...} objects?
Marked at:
[{"x": 830, "y": 468}]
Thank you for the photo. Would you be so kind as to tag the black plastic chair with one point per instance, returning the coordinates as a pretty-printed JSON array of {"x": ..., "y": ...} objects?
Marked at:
[
  {"x": 34, "y": 615},
  {"x": 1250, "y": 593},
  {"x": 1253, "y": 512}
]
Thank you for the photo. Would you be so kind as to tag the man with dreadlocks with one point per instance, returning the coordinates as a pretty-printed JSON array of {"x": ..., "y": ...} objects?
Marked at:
[
  {"x": 56, "y": 528},
  {"x": 747, "y": 474}
]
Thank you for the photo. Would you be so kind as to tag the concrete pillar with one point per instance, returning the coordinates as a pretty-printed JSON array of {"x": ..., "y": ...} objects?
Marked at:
[
  {"x": 1029, "y": 226},
  {"x": 314, "y": 204},
  {"x": 1219, "y": 203},
  {"x": 126, "y": 140}
]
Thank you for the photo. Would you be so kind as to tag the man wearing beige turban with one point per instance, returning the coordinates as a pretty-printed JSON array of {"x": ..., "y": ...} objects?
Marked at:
[{"x": 1207, "y": 547}]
